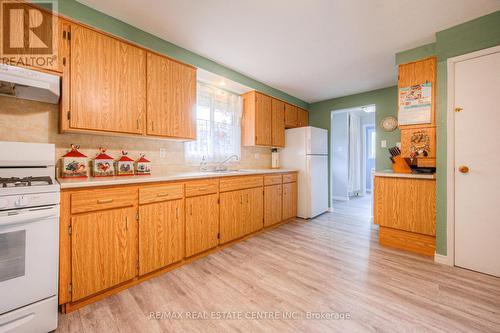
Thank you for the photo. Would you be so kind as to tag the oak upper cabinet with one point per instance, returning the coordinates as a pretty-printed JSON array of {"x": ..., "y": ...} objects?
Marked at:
[
  {"x": 103, "y": 250},
  {"x": 161, "y": 234},
  {"x": 272, "y": 204},
  {"x": 108, "y": 83},
  {"x": 289, "y": 200},
  {"x": 302, "y": 118},
  {"x": 257, "y": 117},
  {"x": 291, "y": 116},
  {"x": 202, "y": 223},
  {"x": 278, "y": 123},
  {"x": 171, "y": 98}
]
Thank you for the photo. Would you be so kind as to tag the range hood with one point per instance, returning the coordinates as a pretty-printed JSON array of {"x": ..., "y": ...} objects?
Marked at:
[{"x": 29, "y": 84}]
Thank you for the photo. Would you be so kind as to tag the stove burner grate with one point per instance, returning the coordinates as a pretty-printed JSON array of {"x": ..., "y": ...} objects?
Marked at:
[{"x": 25, "y": 181}]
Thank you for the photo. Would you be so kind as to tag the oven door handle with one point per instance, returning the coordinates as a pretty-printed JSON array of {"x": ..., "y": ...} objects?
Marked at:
[{"x": 28, "y": 216}]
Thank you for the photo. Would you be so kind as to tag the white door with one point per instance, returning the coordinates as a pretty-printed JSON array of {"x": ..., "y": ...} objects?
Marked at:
[{"x": 477, "y": 146}]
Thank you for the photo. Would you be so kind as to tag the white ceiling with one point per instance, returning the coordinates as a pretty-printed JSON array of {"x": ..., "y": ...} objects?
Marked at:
[{"x": 310, "y": 49}]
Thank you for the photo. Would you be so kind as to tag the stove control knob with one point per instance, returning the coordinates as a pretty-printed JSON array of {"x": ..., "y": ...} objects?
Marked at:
[
  {"x": 3, "y": 203},
  {"x": 21, "y": 201}
]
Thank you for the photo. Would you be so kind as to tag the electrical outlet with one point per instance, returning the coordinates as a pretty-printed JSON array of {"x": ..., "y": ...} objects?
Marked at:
[
  {"x": 398, "y": 144},
  {"x": 163, "y": 153},
  {"x": 383, "y": 144}
]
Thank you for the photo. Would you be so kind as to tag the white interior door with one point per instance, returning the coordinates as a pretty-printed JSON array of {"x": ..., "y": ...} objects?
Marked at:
[{"x": 477, "y": 146}]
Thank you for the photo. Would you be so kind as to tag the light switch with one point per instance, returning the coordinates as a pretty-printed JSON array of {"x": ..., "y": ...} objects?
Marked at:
[
  {"x": 163, "y": 153},
  {"x": 383, "y": 144}
]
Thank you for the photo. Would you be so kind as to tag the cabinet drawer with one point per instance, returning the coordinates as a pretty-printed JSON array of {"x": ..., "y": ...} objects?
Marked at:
[
  {"x": 289, "y": 178},
  {"x": 200, "y": 187},
  {"x": 92, "y": 200},
  {"x": 272, "y": 180},
  {"x": 238, "y": 183},
  {"x": 160, "y": 193}
]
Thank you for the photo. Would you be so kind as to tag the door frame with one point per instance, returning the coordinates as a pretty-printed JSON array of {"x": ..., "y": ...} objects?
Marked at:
[{"x": 449, "y": 259}]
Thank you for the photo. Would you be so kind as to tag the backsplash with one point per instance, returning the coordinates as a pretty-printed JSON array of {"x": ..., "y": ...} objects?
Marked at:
[{"x": 29, "y": 121}]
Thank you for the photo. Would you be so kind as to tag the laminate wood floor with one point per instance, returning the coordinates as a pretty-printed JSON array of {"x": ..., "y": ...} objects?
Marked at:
[{"x": 303, "y": 277}]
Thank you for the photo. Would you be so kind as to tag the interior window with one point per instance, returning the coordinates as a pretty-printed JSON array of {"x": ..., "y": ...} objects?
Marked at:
[{"x": 218, "y": 115}]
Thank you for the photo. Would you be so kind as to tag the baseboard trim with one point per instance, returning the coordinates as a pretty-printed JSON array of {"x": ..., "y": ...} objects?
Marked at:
[
  {"x": 340, "y": 198},
  {"x": 443, "y": 259}
]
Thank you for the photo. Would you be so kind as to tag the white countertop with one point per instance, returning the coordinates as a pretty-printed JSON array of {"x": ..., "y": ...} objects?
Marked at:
[
  {"x": 121, "y": 180},
  {"x": 390, "y": 173}
]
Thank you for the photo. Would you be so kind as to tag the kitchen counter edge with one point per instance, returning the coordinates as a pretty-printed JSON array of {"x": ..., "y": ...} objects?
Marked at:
[
  {"x": 390, "y": 173},
  {"x": 126, "y": 180}
]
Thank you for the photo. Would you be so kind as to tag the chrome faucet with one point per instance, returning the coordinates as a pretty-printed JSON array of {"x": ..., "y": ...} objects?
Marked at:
[{"x": 220, "y": 166}]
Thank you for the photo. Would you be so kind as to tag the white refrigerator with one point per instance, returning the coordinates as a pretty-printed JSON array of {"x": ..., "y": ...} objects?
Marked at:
[{"x": 306, "y": 149}]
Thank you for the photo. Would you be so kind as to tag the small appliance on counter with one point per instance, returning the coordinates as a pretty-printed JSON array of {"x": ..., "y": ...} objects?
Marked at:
[
  {"x": 125, "y": 165},
  {"x": 275, "y": 158},
  {"x": 29, "y": 237},
  {"x": 143, "y": 166}
]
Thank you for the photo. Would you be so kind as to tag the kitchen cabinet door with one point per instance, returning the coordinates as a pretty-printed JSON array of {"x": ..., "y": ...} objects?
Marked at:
[
  {"x": 272, "y": 204},
  {"x": 289, "y": 200},
  {"x": 171, "y": 98},
  {"x": 302, "y": 118},
  {"x": 263, "y": 119},
  {"x": 253, "y": 210},
  {"x": 202, "y": 223},
  {"x": 231, "y": 216},
  {"x": 108, "y": 83},
  {"x": 291, "y": 119},
  {"x": 104, "y": 250},
  {"x": 161, "y": 235},
  {"x": 278, "y": 123}
]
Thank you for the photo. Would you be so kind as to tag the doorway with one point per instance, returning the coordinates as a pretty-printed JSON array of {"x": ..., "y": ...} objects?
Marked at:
[
  {"x": 352, "y": 154},
  {"x": 473, "y": 143}
]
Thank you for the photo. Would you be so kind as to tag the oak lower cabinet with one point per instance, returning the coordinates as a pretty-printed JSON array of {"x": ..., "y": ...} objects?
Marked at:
[
  {"x": 272, "y": 204},
  {"x": 289, "y": 200},
  {"x": 253, "y": 211},
  {"x": 241, "y": 213},
  {"x": 161, "y": 235},
  {"x": 202, "y": 223},
  {"x": 103, "y": 250}
]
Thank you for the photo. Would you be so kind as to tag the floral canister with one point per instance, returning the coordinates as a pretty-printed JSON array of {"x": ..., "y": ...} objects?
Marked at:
[
  {"x": 125, "y": 165},
  {"x": 103, "y": 165},
  {"x": 74, "y": 164},
  {"x": 143, "y": 166}
]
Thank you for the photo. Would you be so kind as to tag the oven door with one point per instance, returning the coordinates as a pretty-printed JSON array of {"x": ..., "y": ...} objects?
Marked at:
[{"x": 29, "y": 242}]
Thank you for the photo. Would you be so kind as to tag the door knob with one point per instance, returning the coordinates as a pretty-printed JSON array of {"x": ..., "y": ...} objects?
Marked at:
[{"x": 463, "y": 169}]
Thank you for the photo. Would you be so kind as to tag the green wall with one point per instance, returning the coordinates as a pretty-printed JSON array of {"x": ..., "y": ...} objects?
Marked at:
[
  {"x": 101, "y": 21},
  {"x": 386, "y": 102},
  {"x": 471, "y": 36}
]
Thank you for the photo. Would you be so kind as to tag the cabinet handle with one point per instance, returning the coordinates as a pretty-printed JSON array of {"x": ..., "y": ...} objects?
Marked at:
[
  {"x": 138, "y": 123},
  {"x": 191, "y": 209},
  {"x": 126, "y": 222},
  {"x": 202, "y": 189},
  {"x": 103, "y": 201},
  {"x": 162, "y": 195},
  {"x": 241, "y": 199},
  {"x": 247, "y": 198},
  {"x": 177, "y": 212},
  {"x": 152, "y": 125}
]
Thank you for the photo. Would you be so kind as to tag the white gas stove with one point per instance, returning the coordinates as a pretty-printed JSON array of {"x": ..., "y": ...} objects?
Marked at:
[{"x": 29, "y": 237}]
